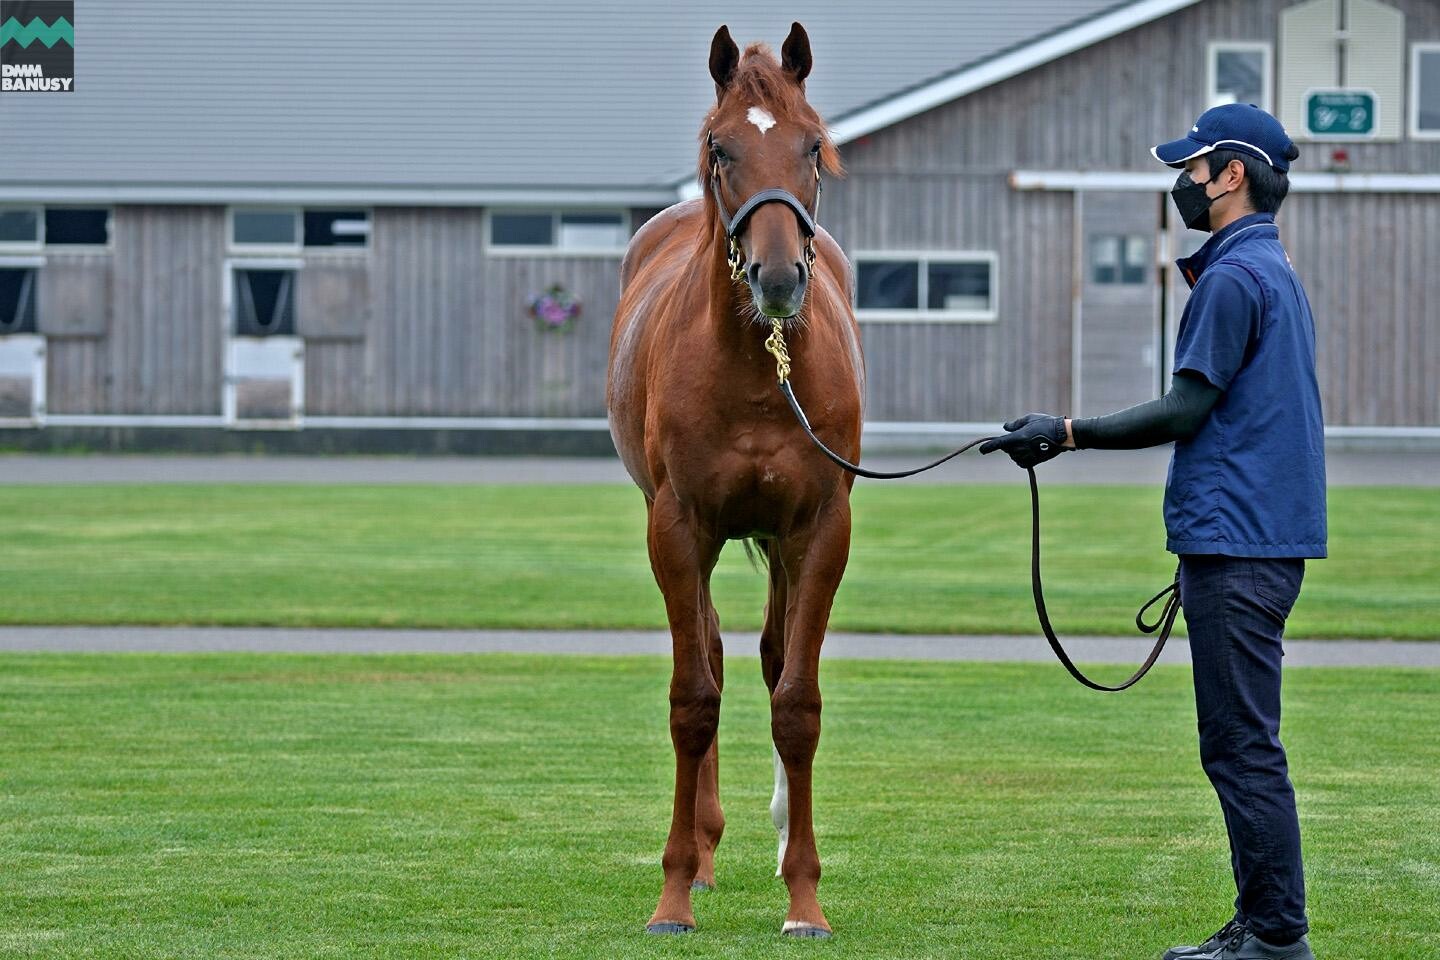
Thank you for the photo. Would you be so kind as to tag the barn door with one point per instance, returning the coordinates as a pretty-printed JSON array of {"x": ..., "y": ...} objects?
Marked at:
[
  {"x": 1119, "y": 348},
  {"x": 264, "y": 358}
]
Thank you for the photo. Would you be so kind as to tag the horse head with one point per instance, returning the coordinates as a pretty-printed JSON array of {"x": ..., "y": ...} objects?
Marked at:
[{"x": 763, "y": 148}]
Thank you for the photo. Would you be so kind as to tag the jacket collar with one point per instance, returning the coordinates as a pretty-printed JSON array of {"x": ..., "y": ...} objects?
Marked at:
[{"x": 1251, "y": 226}]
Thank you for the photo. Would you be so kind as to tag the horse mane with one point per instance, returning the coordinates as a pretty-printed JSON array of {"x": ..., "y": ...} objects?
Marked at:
[{"x": 760, "y": 79}]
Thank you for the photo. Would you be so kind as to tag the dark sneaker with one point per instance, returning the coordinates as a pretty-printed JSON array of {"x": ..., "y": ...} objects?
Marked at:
[
  {"x": 1244, "y": 945},
  {"x": 1217, "y": 939}
]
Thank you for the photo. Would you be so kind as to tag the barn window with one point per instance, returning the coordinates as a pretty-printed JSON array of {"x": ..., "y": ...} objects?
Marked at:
[
  {"x": 17, "y": 300},
  {"x": 77, "y": 226},
  {"x": 336, "y": 228},
  {"x": 1119, "y": 258},
  {"x": 522, "y": 229},
  {"x": 264, "y": 302},
  {"x": 20, "y": 226},
  {"x": 1239, "y": 73},
  {"x": 925, "y": 286},
  {"x": 1425, "y": 91},
  {"x": 264, "y": 228},
  {"x": 602, "y": 232}
]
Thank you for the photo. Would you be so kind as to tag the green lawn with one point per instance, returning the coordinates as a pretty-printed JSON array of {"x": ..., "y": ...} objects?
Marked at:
[
  {"x": 924, "y": 559},
  {"x": 246, "y": 806}
]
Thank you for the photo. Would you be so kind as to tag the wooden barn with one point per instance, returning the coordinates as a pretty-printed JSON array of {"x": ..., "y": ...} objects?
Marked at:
[{"x": 315, "y": 218}]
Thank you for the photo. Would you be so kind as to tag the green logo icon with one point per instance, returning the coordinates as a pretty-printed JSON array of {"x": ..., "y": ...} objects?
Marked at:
[{"x": 47, "y": 33}]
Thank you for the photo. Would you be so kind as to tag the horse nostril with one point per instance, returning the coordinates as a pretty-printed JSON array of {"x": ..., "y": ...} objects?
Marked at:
[
  {"x": 801, "y": 271},
  {"x": 753, "y": 272}
]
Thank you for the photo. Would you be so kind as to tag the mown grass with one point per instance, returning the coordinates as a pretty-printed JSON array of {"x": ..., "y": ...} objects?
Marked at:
[
  {"x": 941, "y": 559},
  {"x": 241, "y": 806}
]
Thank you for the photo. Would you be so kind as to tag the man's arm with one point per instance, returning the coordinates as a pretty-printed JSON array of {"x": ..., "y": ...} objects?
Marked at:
[
  {"x": 1175, "y": 416},
  {"x": 1037, "y": 437}
]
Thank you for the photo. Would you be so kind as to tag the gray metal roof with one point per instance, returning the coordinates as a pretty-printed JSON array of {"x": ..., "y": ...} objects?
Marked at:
[{"x": 442, "y": 93}]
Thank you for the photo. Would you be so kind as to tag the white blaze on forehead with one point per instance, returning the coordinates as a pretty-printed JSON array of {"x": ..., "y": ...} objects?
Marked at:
[{"x": 760, "y": 117}]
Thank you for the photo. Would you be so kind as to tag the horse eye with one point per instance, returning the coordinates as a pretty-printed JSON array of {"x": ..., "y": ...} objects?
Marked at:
[
  {"x": 721, "y": 155},
  {"x": 815, "y": 150}
]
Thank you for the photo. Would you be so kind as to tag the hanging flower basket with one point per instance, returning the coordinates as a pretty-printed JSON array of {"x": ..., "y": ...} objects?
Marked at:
[{"x": 555, "y": 310}]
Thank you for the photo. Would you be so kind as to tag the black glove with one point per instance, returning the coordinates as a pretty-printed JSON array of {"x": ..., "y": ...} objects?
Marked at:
[{"x": 1031, "y": 440}]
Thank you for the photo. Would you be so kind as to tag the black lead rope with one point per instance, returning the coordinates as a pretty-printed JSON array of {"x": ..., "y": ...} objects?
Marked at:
[{"x": 1168, "y": 612}]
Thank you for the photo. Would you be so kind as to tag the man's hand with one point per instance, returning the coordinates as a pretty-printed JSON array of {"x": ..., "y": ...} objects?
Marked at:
[{"x": 1031, "y": 440}]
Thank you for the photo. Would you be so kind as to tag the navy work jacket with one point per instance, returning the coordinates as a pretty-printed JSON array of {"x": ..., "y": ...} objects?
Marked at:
[{"x": 1251, "y": 481}]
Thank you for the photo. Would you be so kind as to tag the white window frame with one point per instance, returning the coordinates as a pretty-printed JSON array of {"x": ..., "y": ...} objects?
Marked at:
[
  {"x": 1267, "y": 73},
  {"x": 262, "y": 249},
  {"x": 553, "y": 249},
  {"x": 27, "y": 246},
  {"x": 922, "y": 314},
  {"x": 1416, "y": 49}
]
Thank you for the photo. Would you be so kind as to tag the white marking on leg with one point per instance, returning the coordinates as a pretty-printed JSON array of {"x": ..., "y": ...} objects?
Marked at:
[
  {"x": 760, "y": 117},
  {"x": 780, "y": 808}
]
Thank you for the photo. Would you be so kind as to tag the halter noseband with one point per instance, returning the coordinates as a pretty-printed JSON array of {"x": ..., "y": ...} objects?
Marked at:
[{"x": 734, "y": 223}]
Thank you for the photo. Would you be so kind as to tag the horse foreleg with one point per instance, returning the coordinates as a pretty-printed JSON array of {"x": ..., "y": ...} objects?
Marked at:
[
  {"x": 681, "y": 556},
  {"x": 814, "y": 563},
  {"x": 772, "y": 661},
  {"x": 709, "y": 817}
]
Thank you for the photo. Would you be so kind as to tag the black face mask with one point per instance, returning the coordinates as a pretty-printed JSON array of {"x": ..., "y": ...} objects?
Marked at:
[{"x": 1192, "y": 202}]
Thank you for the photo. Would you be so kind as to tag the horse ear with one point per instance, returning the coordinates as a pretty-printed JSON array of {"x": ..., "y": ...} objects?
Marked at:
[
  {"x": 795, "y": 54},
  {"x": 724, "y": 56}
]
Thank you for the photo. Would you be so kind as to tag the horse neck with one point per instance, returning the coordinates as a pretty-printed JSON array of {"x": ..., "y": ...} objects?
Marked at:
[{"x": 728, "y": 300}]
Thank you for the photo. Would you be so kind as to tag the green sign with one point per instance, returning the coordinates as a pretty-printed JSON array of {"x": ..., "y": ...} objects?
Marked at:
[{"x": 1340, "y": 113}]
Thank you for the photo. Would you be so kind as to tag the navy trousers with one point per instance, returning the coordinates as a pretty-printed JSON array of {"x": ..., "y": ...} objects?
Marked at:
[{"x": 1236, "y": 609}]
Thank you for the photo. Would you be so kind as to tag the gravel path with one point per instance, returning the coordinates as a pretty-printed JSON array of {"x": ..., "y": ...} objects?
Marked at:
[
  {"x": 845, "y": 645},
  {"x": 1420, "y": 467}
]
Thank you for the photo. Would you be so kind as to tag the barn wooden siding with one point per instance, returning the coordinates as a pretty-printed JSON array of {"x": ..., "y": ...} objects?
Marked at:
[
  {"x": 939, "y": 180},
  {"x": 965, "y": 371},
  {"x": 1369, "y": 266},
  {"x": 448, "y": 334},
  {"x": 442, "y": 330},
  {"x": 148, "y": 339},
  {"x": 1103, "y": 107}
]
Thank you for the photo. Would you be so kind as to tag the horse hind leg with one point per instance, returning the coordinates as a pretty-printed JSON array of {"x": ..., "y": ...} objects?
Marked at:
[
  {"x": 772, "y": 660},
  {"x": 709, "y": 817}
]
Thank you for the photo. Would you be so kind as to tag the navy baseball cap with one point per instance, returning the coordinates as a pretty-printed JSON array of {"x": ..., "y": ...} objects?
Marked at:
[{"x": 1233, "y": 126}]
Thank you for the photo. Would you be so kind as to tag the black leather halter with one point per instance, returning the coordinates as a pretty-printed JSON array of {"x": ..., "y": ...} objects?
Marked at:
[{"x": 735, "y": 222}]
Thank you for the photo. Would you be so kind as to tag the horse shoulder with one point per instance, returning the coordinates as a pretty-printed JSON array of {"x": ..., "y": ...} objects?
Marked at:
[
  {"x": 839, "y": 304},
  {"x": 830, "y": 250},
  {"x": 654, "y": 232}
]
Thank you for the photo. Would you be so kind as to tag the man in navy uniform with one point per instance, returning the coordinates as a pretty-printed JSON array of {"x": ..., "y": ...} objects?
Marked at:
[{"x": 1244, "y": 501}]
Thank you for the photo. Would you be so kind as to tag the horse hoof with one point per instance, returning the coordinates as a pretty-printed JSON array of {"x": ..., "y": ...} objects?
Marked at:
[
  {"x": 795, "y": 928},
  {"x": 669, "y": 927},
  {"x": 701, "y": 886}
]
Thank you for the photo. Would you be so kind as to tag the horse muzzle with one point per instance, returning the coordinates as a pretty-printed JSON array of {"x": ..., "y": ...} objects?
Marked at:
[{"x": 778, "y": 289}]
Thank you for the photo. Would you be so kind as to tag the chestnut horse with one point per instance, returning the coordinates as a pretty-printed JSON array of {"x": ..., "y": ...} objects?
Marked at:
[{"x": 707, "y": 437}]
